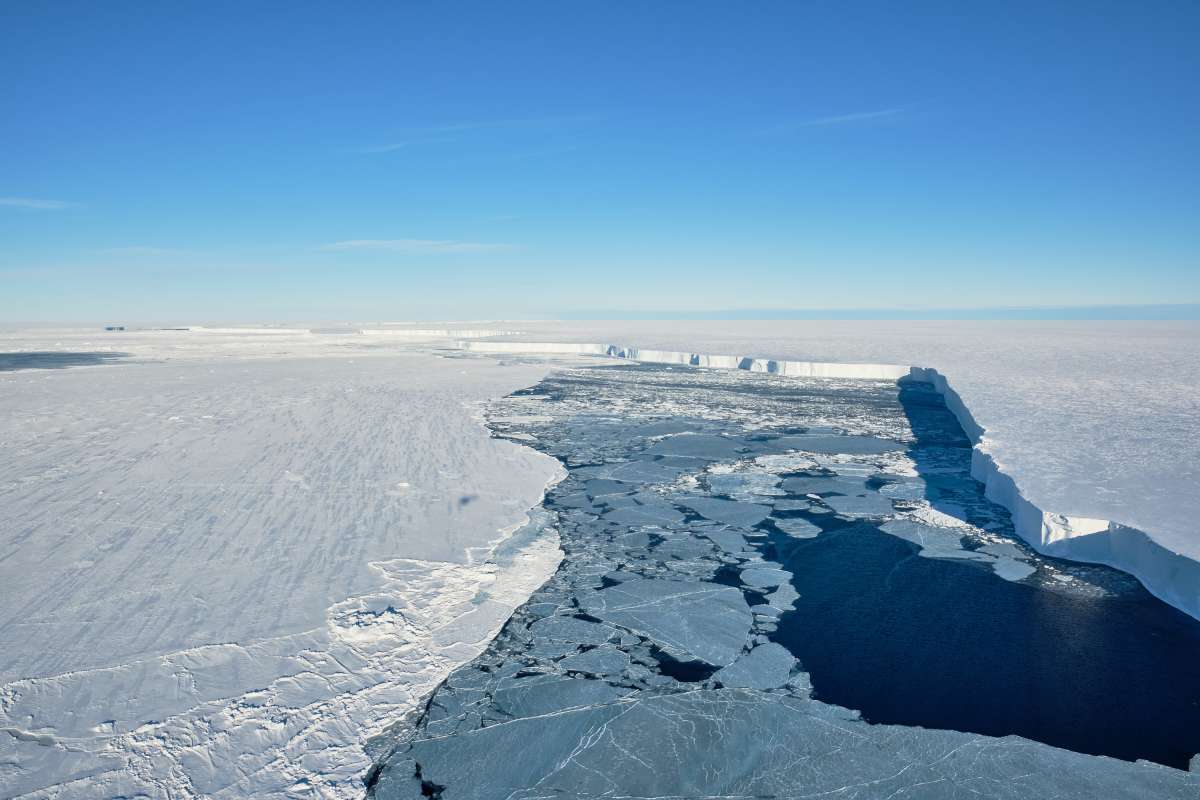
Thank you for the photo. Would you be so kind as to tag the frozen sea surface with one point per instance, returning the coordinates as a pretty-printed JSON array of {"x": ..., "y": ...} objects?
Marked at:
[
  {"x": 229, "y": 556},
  {"x": 768, "y": 584},
  {"x": 225, "y": 557}
]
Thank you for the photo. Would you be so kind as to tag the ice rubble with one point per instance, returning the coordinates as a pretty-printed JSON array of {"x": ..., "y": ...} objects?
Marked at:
[{"x": 1171, "y": 576}]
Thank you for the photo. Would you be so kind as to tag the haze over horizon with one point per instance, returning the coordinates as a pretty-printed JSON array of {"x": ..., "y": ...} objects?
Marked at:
[
  {"x": 1162, "y": 312},
  {"x": 211, "y": 161}
]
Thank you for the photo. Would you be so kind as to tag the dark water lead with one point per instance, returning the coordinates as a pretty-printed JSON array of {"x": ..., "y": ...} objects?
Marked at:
[
  {"x": 767, "y": 586},
  {"x": 949, "y": 644},
  {"x": 54, "y": 359}
]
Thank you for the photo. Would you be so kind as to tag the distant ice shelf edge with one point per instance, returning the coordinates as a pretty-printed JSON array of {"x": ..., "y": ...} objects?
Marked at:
[{"x": 1170, "y": 576}]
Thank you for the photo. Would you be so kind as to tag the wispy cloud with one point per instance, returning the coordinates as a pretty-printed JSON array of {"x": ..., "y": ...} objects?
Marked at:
[
  {"x": 31, "y": 202},
  {"x": 382, "y": 148},
  {"x": 842, "y": 119},
  {"x": 423, "y": 246},
  {"x": 516, "y": 122},
  {"x": 408, "y": 141},
  {"x": 838, "y": 119},
  {"x": 449, "y": 132},
  {"x": 140, "y": 250}
]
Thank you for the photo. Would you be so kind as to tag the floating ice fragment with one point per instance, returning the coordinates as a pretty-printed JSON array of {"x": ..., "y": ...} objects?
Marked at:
[
  {"x": 1003, "y": 549},
  {"x": 767, "y": 666},
  {"x": 806, "y": 485},
  {"x": 1012, "y": 570},
  {"x": 647, "y": 514},
  {"x": 647, "y": 472},
  {"x": 570, "y": 629},
  {"x": 701, "y": 620},
  {"x": 797, "y": 528},
  {"x": 923, "y": 535},
  {"x": 764, "y": 577},
  {"x": 745, "y": 484},
  {"x": 788, "y": 462},
  {"x": 783, "y": 597},
  {"x": 543, "y": 694},
  {"x": 600, "y": 661},
  {"x": 729, "y": 541},
  {"x": 905, "y": 490},
  {"x": 728, "y": 511},
  {"x": 869, "y": 505},
  {"x": 699, "y": 445}
]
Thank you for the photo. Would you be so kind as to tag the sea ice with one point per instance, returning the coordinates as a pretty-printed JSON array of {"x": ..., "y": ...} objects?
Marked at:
[
  {"x": 1039, "y": 394},
  {"x": 699, "y": 620},
  {"x": 740, "y": 515},
  {"x": 674, "y": 726},
  {"x": 229, "y": 557},
  {"x": 799, "y": 528},
  {"x": 748, "y": 743}
]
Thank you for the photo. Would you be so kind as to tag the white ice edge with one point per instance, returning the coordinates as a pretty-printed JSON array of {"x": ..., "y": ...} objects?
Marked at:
[
  {"x": 286, "y": 716},
  {"x": 403, "y": 333},
  {"x": 435, "y": 333},
  {"x": 1172, "y": 577},
  {"x": 794, "y": 369},
  {"x": 1168, "y": 575},
  {"x": 250, "y": 330}
]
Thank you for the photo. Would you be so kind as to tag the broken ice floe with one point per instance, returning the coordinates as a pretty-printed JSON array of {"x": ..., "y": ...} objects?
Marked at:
[{"x": 672, "y": 596}]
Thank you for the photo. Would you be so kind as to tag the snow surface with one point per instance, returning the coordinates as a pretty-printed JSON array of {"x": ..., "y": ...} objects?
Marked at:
[
  {"x": 1095, "y": 422},
  {"x": 229, "y": 558}
]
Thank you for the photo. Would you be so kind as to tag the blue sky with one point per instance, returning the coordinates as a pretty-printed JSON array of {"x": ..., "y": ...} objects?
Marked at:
[{"x": 412, "y": 160}]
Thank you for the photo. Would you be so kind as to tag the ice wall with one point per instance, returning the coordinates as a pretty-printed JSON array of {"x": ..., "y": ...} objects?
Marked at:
[
  {"x": 400, "y": 333},
  {"x": 794, "y": 369},
  {"x": 253, "y": 331},
  {"x": 1171, "y": 576},
  {"x": 435, "y": 333}
]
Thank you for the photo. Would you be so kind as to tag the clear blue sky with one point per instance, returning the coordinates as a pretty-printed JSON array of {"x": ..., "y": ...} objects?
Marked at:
[{"x": 404, "y": 160}]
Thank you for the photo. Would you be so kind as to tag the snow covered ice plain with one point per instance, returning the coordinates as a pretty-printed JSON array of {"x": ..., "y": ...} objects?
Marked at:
[
  {"x": 250, "y": 703},
  {"x": 228, "y": 557}
]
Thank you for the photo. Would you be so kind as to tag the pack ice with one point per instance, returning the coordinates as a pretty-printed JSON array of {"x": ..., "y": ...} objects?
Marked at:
[{"x": 1088, "y": 432}]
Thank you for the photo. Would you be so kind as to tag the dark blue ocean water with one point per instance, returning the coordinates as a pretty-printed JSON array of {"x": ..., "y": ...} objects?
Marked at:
[{"x": 949, "y": 644}]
